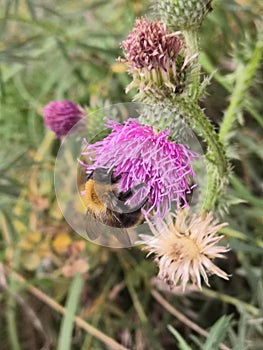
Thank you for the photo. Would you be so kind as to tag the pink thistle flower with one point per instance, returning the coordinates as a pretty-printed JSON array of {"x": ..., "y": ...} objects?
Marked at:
[
  {"x": 61, "y": 116},
  {"x": 143, "y": 157}
]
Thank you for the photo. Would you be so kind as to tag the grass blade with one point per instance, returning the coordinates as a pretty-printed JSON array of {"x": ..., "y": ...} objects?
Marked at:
[
  {"x": 217, "y": 333},
  {"x": 182, "y": 343},
  {"x": 65, "y": 334}
]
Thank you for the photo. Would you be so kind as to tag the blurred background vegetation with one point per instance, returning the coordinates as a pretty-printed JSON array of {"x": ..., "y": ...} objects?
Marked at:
[{"x": 67, "y": 50}]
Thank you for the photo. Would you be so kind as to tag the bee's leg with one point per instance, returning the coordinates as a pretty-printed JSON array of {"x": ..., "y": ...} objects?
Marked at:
[
  {"x": 116, "y": 179},
  {"x": 140, "y": 205},
  {"x": 187, "y": 199},
  {"x": 123, "y": 196}
]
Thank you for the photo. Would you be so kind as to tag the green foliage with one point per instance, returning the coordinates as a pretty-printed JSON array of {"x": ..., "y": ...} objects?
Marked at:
[
  {"x": 216, "y": 335},
  {"x": 182, "y": 343},
  {"x": 67, "y": 325},
  {"x": 67, "y": 50}
]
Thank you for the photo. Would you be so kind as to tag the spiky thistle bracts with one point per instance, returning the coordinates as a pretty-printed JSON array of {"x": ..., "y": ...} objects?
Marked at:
[{"x": 182, "y": 14}]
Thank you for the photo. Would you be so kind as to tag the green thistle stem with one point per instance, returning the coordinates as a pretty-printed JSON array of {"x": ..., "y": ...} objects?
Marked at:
[
  {"x": 192, "y": 44},
  {"x": 196, "y": 117},
  {"x": 218, "y": 166},
  {"x": 217, "y": 169},
  {"x": 240, "y": 305},
  {"x": 213, "y": 188}
]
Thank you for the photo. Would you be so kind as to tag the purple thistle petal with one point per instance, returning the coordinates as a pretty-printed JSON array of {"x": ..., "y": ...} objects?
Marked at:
[{"x": 142, "y": 156}]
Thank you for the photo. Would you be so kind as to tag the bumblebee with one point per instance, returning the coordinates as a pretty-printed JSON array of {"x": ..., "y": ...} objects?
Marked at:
[{"x": 106, "y": 204}]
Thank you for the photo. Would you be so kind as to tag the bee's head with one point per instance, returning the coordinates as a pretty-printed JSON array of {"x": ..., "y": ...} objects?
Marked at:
[{"x": 102, "y": 175}]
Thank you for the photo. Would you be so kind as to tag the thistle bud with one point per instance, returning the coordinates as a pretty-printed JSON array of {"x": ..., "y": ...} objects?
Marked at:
[
  {"x": 61, "y": 116},
  {"x": 182, "y": 14}
]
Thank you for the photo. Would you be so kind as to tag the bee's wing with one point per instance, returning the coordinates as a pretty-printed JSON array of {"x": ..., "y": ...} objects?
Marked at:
[
  {"x": 106, "y": 235},
  {"x": 92, "y": 227},
  {"x": 122, "y": 235}
]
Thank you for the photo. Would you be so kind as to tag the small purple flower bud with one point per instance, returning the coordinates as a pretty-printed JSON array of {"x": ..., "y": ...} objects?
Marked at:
[{"x": 61, "y": 116}]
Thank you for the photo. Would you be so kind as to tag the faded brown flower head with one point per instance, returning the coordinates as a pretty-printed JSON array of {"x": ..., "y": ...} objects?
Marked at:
[
  {"x": 150, "y": 46},
  {"x": 152, "y": 56},
  {"x": 185, "y": 247}
]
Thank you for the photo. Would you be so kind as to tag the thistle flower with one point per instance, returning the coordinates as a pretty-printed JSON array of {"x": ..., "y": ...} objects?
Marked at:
[
  {"x": 152, "y": 55},
  {"x": 182, "y": 14},
  {"x": 185, "y": 247},
  {"x": 61, "y": 116},
  {"x": 140, "y": 156}
]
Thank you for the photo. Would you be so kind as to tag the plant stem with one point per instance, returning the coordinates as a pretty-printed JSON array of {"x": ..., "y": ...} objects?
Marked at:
[
  {"x": 11, "y": 307},
  {"x": 218, "y": 165},
  {"x": 244, "y": 77},
  {"x": 44, "y": 147},
  {"x": 192, "y": 44},
  {"x": 111, "y": 343},
  {"x": 217, "y": 168},
  {"x": 196, "y": 117},
  {"x": 241, "y": 305},
  {"x": 248, "y": 106},
  {"x": 182, "y": 318}
]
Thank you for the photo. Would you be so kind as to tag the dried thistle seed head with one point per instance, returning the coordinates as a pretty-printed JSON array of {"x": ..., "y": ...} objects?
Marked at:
[
  {"x": 182, "y": 14},
  {"x": 150, "y": 46},
  {"x": 185, "y": 247}
]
